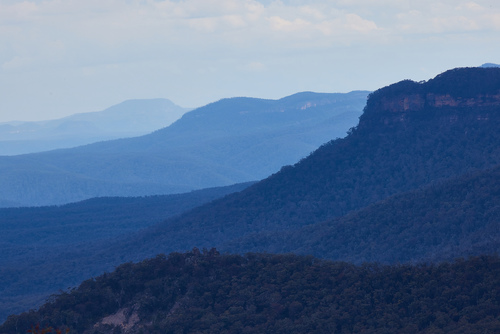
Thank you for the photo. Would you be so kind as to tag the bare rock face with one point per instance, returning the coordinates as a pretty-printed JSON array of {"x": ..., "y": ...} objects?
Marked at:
[
  {"x": 403, "y": 103},
  {"x": 458, "y": 95},
  {"x": 417, "y": 102},
  {"x": 460, "y": 87},
  {"x": 125, "y": 318},
  {"x": 478, "y": 101}
]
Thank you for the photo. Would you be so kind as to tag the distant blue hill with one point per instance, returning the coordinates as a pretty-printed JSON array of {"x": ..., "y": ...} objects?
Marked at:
[
  {"x": 226, "y": 142},
  {"x": 489, "y": 65},
  {"x": 128, "y": 119}
]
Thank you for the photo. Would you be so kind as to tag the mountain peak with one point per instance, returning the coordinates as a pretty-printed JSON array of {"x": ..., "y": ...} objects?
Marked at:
[{"x": 488, "y": 65}]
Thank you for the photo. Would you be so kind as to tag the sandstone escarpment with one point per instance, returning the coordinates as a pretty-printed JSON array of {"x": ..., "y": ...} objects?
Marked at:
[{"x": 416, "y": 102}]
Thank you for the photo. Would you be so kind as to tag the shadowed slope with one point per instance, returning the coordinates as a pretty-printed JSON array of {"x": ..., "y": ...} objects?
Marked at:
[{"x": 209, "y": 293}]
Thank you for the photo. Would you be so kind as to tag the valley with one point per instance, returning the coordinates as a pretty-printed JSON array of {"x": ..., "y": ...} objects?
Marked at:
[{"x": 399, "y": 220}]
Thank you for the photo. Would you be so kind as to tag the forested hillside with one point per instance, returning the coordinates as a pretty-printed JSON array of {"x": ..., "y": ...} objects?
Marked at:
[
  {"x": 43, "y": 248},
  {"x": 458, "y": 217},
  {"x": 78, "y": 225},
  {"x": 398, "y": 146},
  {"x": 422, "y": 167},
  {"x": 208, "y": 293}
]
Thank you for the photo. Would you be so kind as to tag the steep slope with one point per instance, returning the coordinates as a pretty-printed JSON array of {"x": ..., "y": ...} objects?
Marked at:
[
  {"x": 128, "y": 119},
  {"x": 459, "y": 217},
  {"x": 226, "y": 142},
  {"x": 208, "y": 293},
  {"x": 411, "y": 134}
]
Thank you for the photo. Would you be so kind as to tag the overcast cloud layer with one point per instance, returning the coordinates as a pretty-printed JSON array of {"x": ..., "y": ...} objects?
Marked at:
[{"x": 59, "y": 57}]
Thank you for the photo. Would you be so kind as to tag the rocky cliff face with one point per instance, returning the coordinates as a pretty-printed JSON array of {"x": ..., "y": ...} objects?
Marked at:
[
  {"x": 403, "y": 103},
  {"x": 460, "y": 94},
  {"x": 416, "y": 102},
  {"x": 456, "y": 87}
]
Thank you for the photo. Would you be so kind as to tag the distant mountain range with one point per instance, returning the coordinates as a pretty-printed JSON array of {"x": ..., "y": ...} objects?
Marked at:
[
  {"x": 415, "y": 180},
  {"x": 128, "y": 119},
  {"x": 411, "y": 135},
  {"x": 226, "y": 142}
]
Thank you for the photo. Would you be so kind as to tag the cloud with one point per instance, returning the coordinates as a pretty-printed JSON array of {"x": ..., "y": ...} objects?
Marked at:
[
  {"x": 17, "y": 62},
  {"x": 255, "y": 66},
  {"x": 449, "y": 17},
  {"x": 198, "y": 40},
  {"x": 113, "y": 24},
  {"x": 112, "y": 29},
  {"x": 282, "y": 25}
]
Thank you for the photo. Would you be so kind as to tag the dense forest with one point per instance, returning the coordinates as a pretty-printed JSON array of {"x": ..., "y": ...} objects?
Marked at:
[
  {"x": 387, "y": 154},
  {"x": 415, "y": 182},
  {"x": 85, "y": 222},
  {"x": 458, "y": 217},
  {"x": 204, "y": 292}
]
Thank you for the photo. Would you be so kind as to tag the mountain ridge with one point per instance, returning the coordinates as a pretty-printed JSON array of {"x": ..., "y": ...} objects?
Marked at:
[
  {"x": 376, "y": 160},
  {"x": 387, "y": 154},
  {"x": 460, "y": 87},
  {"x": 211, "y": 146},
  {"x": 129, "y": 118}
]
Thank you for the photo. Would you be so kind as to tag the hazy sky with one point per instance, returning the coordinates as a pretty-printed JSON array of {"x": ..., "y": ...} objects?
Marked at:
[{"x": 60, "y": 57}]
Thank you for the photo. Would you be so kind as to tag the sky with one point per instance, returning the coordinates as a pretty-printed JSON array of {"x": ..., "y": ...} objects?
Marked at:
[{"x": 60, "y": 57}]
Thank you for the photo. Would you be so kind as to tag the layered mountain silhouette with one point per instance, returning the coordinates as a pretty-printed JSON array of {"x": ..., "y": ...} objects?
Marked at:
[
  {"x": 75, "y": 225},
  {"x": 38, "y": 236},
  {"x": 130, "y": 118},
  {"x": 410, "y": 135},
  {"x": 414, "y": 181},
  {"x": 226, "y": 142}
]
